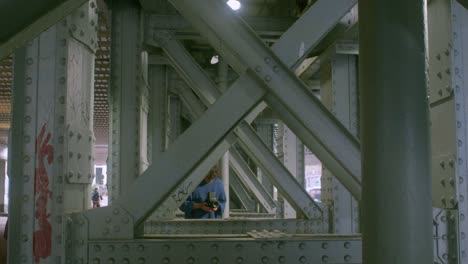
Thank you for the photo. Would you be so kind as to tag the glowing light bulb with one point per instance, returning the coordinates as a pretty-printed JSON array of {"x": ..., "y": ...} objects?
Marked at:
[
  {"x": 214, "y": 59},
  {"x": 234, "y": 4}
]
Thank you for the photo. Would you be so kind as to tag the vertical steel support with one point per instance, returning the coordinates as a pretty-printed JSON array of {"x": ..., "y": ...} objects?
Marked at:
[
  {"x": 288, "y": 154},
  {"x": 174, "y": 125},
  {"x": 397, "y": 212},
  {"x": 223, "y": 85},
  {"x": 265, "y": 133},
  {"x": 2, "y": 184},
  {"x": 340, "y": 96},
  {"x": 123, "y": 167},
  {"x": 51, "y": 140},
  {"x": 459, "y": 70},
  {"x": 158, "y": 106}
]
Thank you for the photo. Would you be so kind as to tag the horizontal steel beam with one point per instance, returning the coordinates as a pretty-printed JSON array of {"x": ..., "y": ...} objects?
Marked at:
[
  {"x": 264, "y": 26},
  {"x": 233, "y": 226},
  {"x": 272, "y": 248}
]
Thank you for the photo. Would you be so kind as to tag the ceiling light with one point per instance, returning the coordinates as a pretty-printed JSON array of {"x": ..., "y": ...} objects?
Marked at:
[
  {"x": 214, "y": 59},
  {"x": 234, "y": 4}
]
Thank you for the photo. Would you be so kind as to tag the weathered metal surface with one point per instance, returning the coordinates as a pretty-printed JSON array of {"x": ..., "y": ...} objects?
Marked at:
[{"x": 304, "y": 249}]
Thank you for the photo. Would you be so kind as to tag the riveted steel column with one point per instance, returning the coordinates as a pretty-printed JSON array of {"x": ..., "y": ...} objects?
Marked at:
[
  {"x": 2, "y": 184},
  {"x": 223, "y": 84},
  {"x": 339, "y": 94},
  {"x": 459, "y": 68},
  {"x": 397, "y": 212},
  {"x": 158, "y": 105},
  {"x": 124, "y": 97},
  {"x": 264, "y": 130},
  {"x": 51, "y": 140}
]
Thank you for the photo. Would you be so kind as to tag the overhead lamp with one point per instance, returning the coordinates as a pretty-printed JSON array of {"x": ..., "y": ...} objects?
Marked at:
[
  {"x": 234, "y": 4},
  {"x": 214, "y": 59}
]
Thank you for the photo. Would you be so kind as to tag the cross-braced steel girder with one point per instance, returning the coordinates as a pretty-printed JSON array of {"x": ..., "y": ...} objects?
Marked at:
[
  {"x": 240, "y": 98},
  {"x": 321, "y": 132},
  {"x": 208, "y": 92}
]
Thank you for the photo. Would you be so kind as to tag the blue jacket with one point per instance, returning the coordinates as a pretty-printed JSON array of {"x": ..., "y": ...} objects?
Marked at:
[{"x": 200, "y": 195}]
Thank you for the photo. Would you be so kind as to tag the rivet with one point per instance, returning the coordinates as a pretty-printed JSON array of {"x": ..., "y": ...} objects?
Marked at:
[
  {"x": 190, "y": 260},
  {"x": 125, "y": 261},
  {"x": 27, "y": 99},
  {"x": 166, "y": 261},
  {"x": 214, "y": 260},
  {"x": 97, "y": 248},
  {"x": 141, "y": 261},
  {"x": 267, "y": 78},
  {"x": 29, "y": 81},
  {"x": 214, "y": 247},
  {"x": 325, "y": 245},
  {"x": 275, "y": 68},
  {"x": 267, "y": 60},
  {"x": 347, "y": 258},
  {"x": 27, "y": 119},
  {"x": 111, "y": 261},
  {"x": 24, "y": 238},
  {"x": 302, "y": 259},
  {"x": 108, "y": 219},
  {"x": 239, "y": 247},
  {"x": 347, "y": 245},
  {"x": 324, "y": 258},
  {"x": 111, "y": 248},
  {"x": 29, "y": 61},
  {"x": 116, "y": 211},
  {"x": 125, "y": 248},
  {"x": 70, "y": 134},
  {"x": 281, "y": 259},
  {"x": 265, "y": 259},
  {"x": 240, "y": 260},
  {"x": 302, "y": 246},
  {"x": 141, "y": 248},
  {"x": 166, "y": 247},
  {"x": 26, "y": 178}
]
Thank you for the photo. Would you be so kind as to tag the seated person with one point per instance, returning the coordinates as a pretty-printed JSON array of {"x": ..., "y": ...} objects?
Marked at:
[{"x": 198, "y": 205}]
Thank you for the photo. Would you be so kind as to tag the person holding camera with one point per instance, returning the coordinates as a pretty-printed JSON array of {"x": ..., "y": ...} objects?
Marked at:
[{"x": 208, "y": 200}]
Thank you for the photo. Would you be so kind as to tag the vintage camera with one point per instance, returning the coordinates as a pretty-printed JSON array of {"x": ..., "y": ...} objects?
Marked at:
[{"x": 212, "y": 201}]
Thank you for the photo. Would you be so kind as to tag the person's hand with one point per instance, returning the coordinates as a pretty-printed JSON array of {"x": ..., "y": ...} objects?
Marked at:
[{"x": 204, "y": 207}]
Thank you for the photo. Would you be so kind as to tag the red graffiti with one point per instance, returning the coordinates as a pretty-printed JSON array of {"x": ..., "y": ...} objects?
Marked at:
[{"x": 42, "y": 236}]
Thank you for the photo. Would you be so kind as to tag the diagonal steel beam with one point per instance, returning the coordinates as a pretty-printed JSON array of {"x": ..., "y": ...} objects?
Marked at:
[
  {"x": 241, "y": 192},
  {"x": 247, "y": 177},
  {"x": 148, "y": 191},
  {"x": 286, "y": 182},
  {"x": 309, "y": 119},
  {"x": 48, "y": 13}
]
